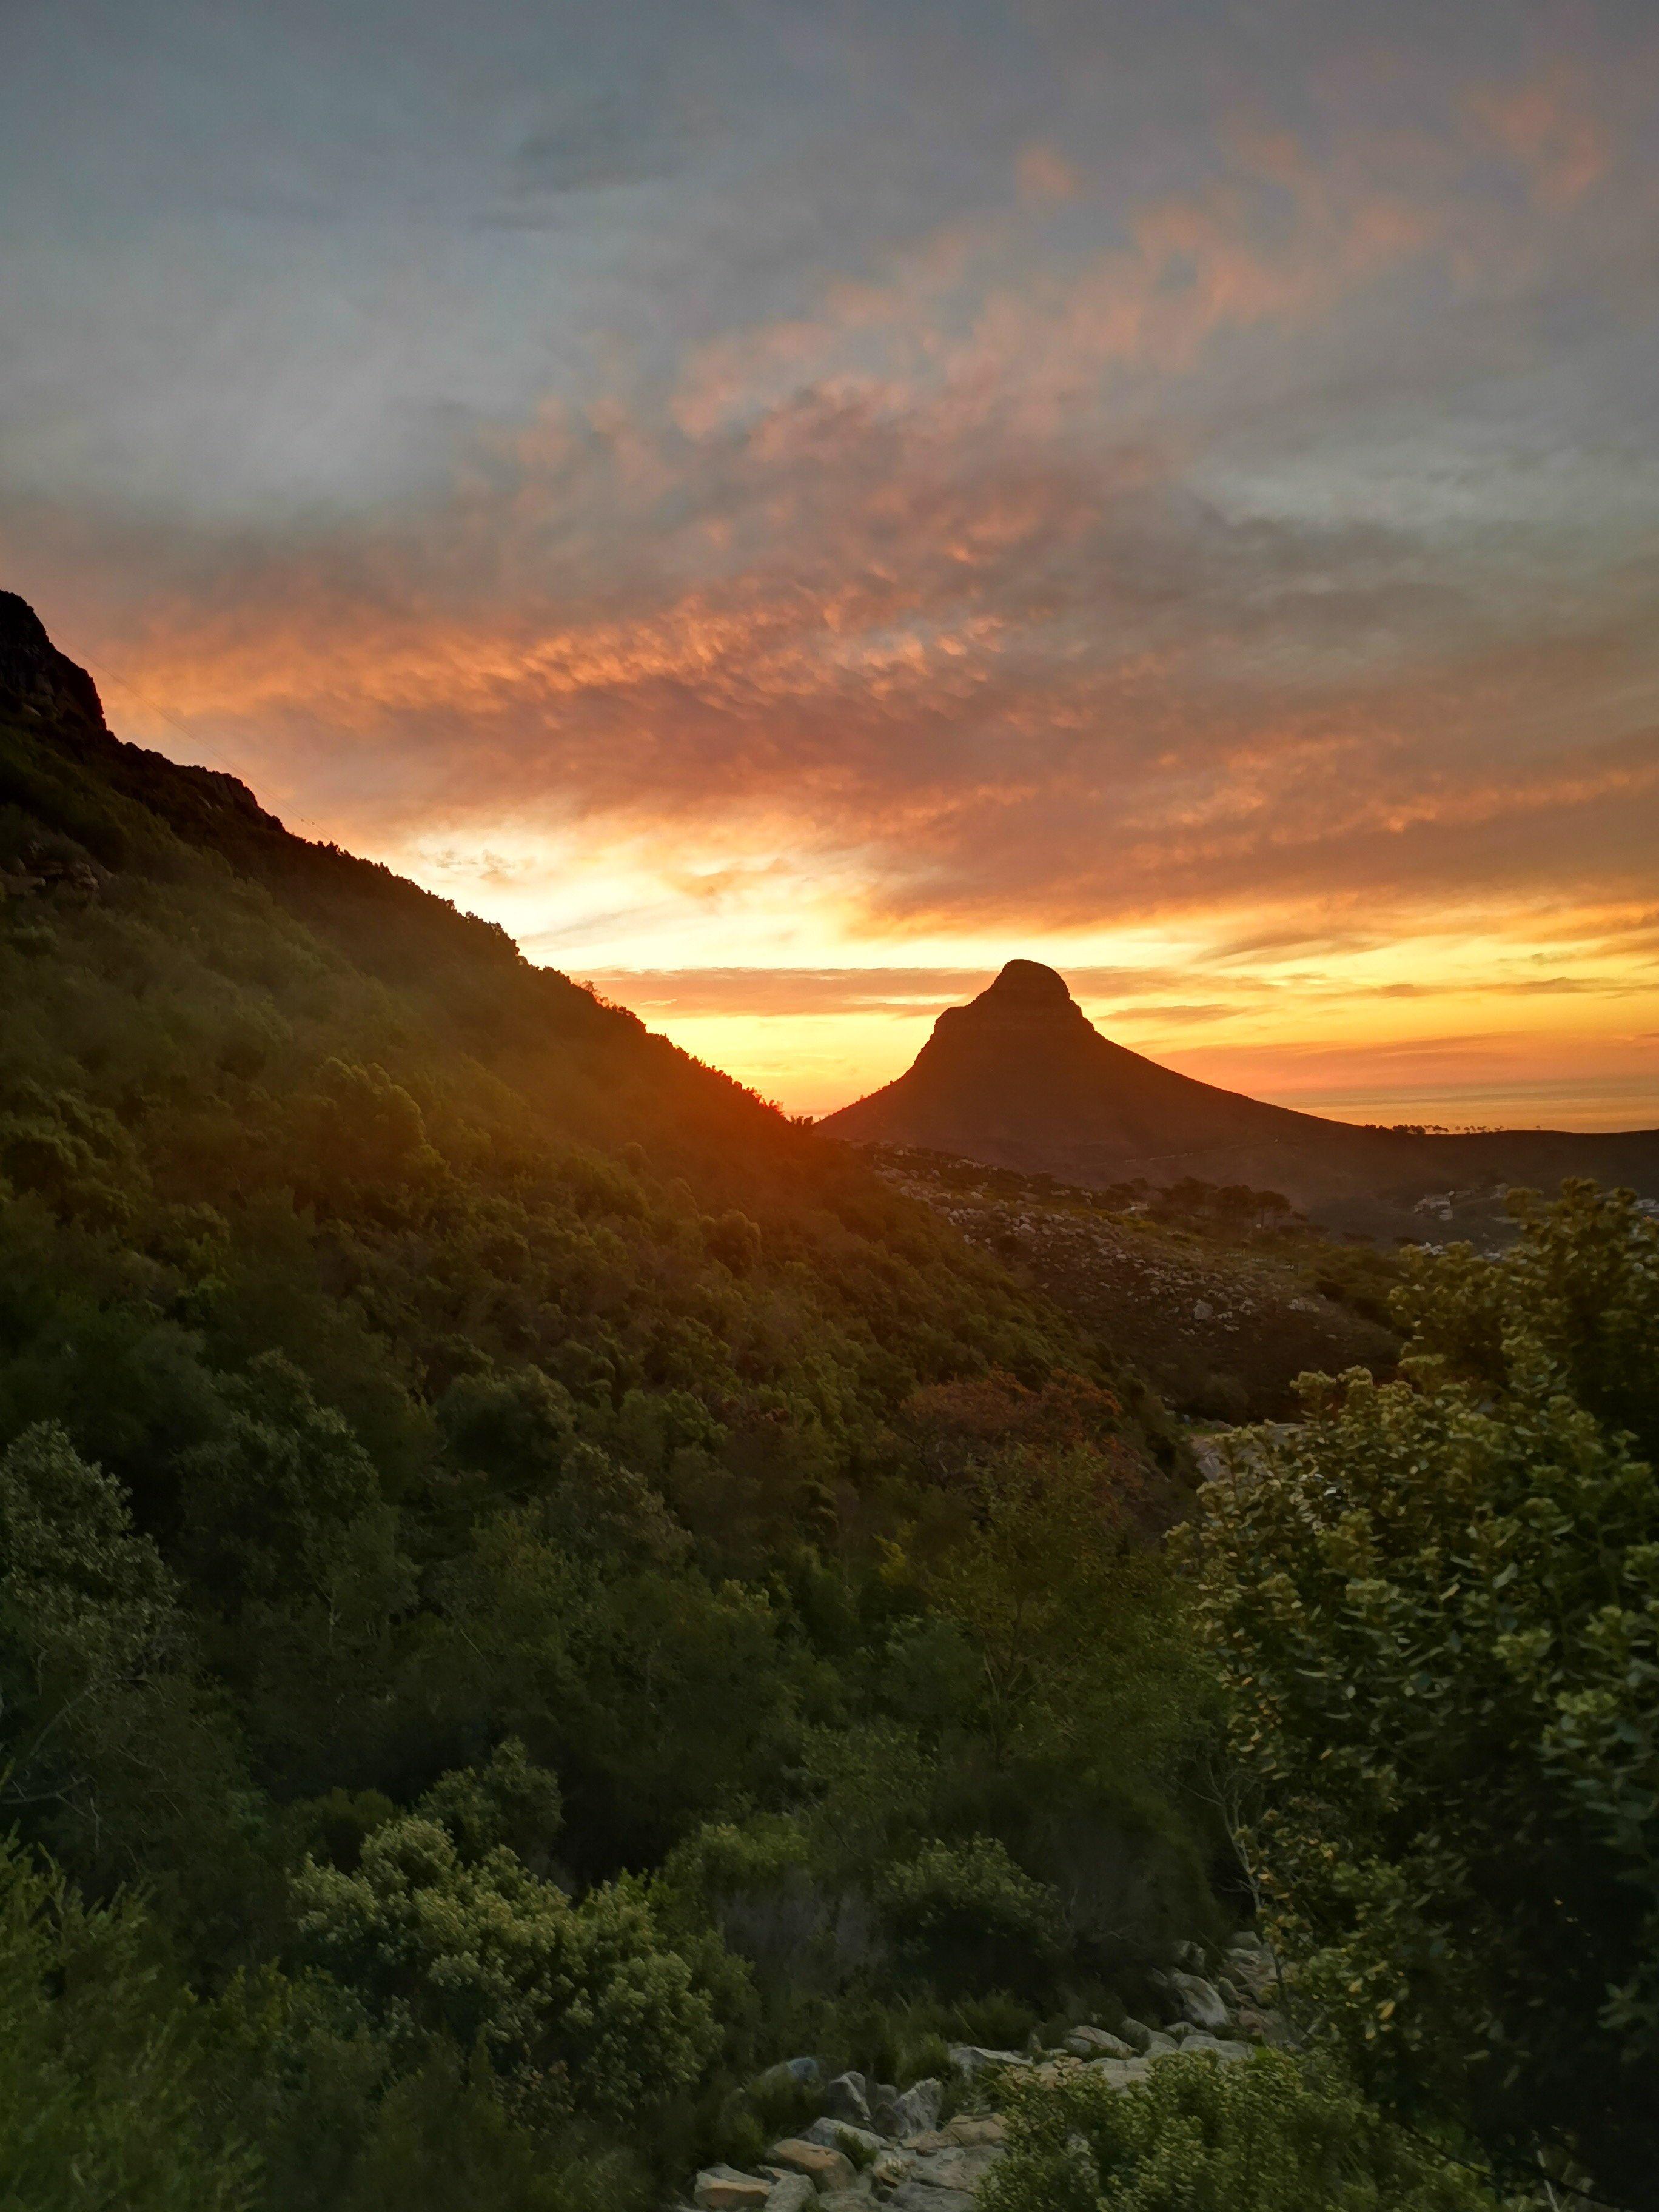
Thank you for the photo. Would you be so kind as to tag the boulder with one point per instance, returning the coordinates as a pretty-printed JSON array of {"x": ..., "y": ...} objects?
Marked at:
[
  {"x": 848, "y": 2098},
  {"x": 925, "y": 2196},
  {"x": 890, "y": 2167},
  {"x": 1199, "y": 2001},
  {"x": 1096, "y": 2042},
  {"x": 790, "y": 2192},
  {"x": 1219, "y": 2047},
  {"x": 725, "y": 2189},
  {"x": 913, "y": 2113},
  {"x": 973, "y": 2059},
  {"x": 975, "y": 2128},
  {"x": 823, "y": 2167},
  {"x": 1120, "y": 2072},
  {"x": 962, "y": 2166},
  {"x": 842, "y": 2134}
]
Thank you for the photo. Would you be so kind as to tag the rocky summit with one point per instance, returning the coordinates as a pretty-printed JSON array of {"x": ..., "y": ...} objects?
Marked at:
[{"x": 1021, "y": 1078}]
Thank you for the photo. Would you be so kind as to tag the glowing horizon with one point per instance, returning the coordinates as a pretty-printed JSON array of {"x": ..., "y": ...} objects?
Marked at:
[{"x": 786, "y": 514}]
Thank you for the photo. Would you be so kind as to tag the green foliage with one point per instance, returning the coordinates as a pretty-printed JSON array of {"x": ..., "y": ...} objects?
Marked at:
[
  {"x": 502, "y": 1529},
  {"x": 580, "y": 2007},
  {"x": 966, "y": 1914},
  {"x": 1436, "y": 1605},
  {"x": 106, "y": 2090},
  {"x": 1270, "y": 2134}
]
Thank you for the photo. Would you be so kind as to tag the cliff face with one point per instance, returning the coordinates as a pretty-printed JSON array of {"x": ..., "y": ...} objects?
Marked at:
[
  {"x": 41, "y": 680},
  {"x": 1021, "y": 1078}
]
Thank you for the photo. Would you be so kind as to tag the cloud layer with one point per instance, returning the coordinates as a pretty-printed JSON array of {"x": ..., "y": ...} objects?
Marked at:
[{"x": 1197, "y": 520}]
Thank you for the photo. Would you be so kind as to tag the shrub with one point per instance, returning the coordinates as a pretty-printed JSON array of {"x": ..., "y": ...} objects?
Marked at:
[
  {"x": 1267, "y": 2136},
  {"x": 967, "y": 1915},
  {"x": 577, "y": 2007}
]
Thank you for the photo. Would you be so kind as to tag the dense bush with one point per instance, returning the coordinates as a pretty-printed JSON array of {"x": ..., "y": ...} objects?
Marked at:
[
  {"x": 1436, "y": 1605},
  {"x": 1271, "y": 2134},
  {"x": 503, "y": 1532}
]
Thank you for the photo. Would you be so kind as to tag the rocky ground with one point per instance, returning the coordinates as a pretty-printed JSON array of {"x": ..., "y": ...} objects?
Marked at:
[
  {"x": 1220, "y": 1325},
  {"x": 929, "y": 2147}
]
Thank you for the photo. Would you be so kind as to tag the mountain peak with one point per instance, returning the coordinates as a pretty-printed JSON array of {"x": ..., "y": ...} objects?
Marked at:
[{"x": 1030, "y": 982}]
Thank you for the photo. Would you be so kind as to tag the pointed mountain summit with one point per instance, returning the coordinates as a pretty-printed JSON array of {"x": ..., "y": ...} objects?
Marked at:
[{"x": 1020, "y": 1078}]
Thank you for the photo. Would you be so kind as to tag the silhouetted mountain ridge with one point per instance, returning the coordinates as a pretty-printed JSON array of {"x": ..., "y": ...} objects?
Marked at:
[{"x": 1021, "y": 1078}]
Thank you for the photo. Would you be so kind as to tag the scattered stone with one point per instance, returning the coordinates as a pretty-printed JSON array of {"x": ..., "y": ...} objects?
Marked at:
[
  {"x": 911, "y": 2114},
  {"x": 724, "y": 2189},
  {"x": 1096, "y": 2042},
  {"x": 1136, "y": 2033},
  {"x": 973, "y": 2059},
  {"x": 843, "y": 2135},
  {"x": 1120, "y": 2072},
  {"x": 975, "y": 2128},
  {"x": 890, "y": 2167},
  {"x": 790, "y": 2192},
  {"x": 823, "y": 2167},
  {"x": 961, "y": 2166},
  {"x": 928, "y": 2196},
  {"x": 1222, "y": 2048},
  {"x": 848, "y": 2098},
  {"x": 1199, "y": 2001}
]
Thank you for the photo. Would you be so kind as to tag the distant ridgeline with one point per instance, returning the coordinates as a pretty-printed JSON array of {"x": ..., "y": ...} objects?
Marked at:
[
  {"x": 1021, "y": 1078},
  {"x": 472, "y": 1476}
]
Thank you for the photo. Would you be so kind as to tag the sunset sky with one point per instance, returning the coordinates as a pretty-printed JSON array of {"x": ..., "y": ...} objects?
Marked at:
[{"x": 789, "y": 506}]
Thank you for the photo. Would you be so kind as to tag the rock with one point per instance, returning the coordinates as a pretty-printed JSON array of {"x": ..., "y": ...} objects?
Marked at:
[
  {"x": 1120, "y": 2072},
  {"x": 919, "y": 2107},
  {"x": 1096, "y": 2042},
  {"x": 842, "y": 2134},
  {"x": 724, "y": 2189},
  {"x": 848, "y": 2098},
  {"x": 791, "y": 2192},
  {"x": 824, "y": 2168},
  {"x": 1136, "y": 2033},
  {"x": 1202, "y": 1309},
  {"x": 1220, "y": 2048},
  {"x": 890, "y": 2167},
  {"x": 962, "y": 2166},
  {"x": 911, "y": 2114},
  {"x": 859, "y": 2199},
  {"x": 1191, "y": 1956},
  {"x": 973, "y": 2128},
  {"x": 1198, "y": 2000},
  {"x": 973, "y": 2059},
  {"x": 926, "y": 2197},
  {"x": 806, "y": 2071}
]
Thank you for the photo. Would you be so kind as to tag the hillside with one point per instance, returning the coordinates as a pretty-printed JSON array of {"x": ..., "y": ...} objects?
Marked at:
[
  {"x": 1221, "y": 1305},
  {"x": 506, "y": 1541},
  {"x": 1021, "y": 1078}
]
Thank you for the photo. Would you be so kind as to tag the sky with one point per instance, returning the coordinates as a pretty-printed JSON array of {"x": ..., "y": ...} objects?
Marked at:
[{"x": 786, "y": 504}]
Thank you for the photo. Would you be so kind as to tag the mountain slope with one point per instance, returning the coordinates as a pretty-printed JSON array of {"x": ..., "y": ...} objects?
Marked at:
[{"x": 1021, "y": 1078}]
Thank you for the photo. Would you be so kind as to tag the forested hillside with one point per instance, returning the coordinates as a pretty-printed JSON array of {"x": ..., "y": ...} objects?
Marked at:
[{"x": 527, "y": 1578}]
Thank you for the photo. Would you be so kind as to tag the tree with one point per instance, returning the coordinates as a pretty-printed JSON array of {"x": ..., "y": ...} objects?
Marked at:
[
  {"x": 578, "y": 2008},
  {"x": 105, "y": 2091},
  {"x": 1437, "y": 1608}
]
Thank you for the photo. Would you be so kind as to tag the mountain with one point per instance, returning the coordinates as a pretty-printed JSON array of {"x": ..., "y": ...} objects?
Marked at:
[
  {"x": 504, "y": 1543},
  {"x": 1020, "y": 1079}
]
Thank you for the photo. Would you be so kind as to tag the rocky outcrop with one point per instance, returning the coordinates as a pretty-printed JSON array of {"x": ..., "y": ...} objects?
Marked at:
[
  {"x": 35, "y": 675},
  {"x": 877, "y": 2146}
]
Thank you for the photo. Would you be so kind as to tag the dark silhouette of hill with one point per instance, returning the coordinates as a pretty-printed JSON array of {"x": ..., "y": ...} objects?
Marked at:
[{"x": 1021, "y": 1078}]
